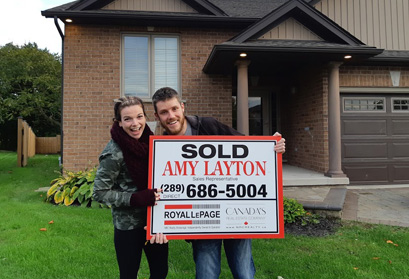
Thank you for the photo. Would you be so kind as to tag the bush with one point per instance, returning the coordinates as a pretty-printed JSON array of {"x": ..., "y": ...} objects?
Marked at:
[
  {"x": 74, "y": 188},
  {"x": 294, "y": 211}
]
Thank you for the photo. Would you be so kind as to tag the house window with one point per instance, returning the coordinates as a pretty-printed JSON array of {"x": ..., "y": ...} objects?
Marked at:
[
  {"x": 364, "y": 104},
  {"x": 400, "y": 104},
  {"x": 149, "y": 62}
]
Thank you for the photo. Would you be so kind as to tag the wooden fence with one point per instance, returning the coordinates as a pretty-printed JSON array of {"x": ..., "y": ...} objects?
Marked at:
[
  {"x": 28, "y": 144},
  {"x": 48, "y": 145}
]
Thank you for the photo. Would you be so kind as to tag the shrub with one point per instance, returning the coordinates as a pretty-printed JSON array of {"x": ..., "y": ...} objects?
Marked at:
[
  {"x": 294, "y": 211},
  {"x": 74, "y": 188}
]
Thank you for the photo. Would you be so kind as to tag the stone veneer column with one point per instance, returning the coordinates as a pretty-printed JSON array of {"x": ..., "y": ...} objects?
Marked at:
[
  {"x": 242, "y": 96},
  {"x": 334, "y": 122}
]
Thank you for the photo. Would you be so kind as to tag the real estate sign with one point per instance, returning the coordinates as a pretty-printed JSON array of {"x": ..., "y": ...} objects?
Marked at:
[{"x": 216, "y": 187}]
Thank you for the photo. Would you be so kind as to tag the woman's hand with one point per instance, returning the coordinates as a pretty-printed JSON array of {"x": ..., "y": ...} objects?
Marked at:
[
  {"x": 157, "y": 195},
  {"x": 158, "y": 238}
]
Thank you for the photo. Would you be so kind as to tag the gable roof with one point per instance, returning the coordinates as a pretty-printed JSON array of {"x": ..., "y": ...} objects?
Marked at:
[
  {"x": 211, "y": 13},
  {"x": 248, "y": 8},
  {"x": 337, "y": 42},
  {"x": 303, "y": 12},
  {"x": 201, "y": 6},
  {"x": 91, "y": 11}
]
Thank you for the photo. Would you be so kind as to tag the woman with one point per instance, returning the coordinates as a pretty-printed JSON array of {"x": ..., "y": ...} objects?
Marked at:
[{"x": 121, "y": 182}]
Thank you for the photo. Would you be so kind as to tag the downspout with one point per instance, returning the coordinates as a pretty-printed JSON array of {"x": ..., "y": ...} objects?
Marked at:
[{"x": 62, "y": 91}]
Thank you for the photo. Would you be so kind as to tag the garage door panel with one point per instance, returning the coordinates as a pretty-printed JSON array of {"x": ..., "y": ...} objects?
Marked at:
[
  {"x": 364, "y": 127},
  {"x": 365, "y": 150},
  {"x": 400, "y": 127},
  {"x": 400, "y": 150},
  {"x": 400, "y": 173},
  {"x": 375, "y": 143},
  {"x": 367, "y": 174}
]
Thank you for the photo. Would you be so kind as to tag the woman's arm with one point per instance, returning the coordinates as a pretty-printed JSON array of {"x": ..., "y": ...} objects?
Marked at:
[{"x": 105, "y": 179}]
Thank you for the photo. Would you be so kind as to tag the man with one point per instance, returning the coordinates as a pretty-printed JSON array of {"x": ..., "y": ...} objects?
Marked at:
[{"x": 169, "y": 110}]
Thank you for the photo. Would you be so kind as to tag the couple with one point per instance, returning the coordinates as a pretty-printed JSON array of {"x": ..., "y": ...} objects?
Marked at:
[{"x": 122, "y": 179}]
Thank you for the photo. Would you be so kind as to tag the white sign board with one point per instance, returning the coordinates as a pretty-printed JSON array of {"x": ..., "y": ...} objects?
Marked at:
[{"x": 216, "y": 187}]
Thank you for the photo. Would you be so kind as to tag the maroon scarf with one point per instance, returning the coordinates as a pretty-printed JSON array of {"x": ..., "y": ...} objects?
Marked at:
[{"x": 136, "y": 153}]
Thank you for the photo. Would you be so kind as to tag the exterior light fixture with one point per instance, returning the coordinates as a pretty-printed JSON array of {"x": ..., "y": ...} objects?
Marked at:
[
  {"x": 348, "y": 56},
  {"x": 68, "y": 20},
  {"x": 243, "y": 54}
]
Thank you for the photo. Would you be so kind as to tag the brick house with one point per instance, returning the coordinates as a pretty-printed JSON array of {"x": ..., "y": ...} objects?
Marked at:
[{"x": 332, "y": 76}]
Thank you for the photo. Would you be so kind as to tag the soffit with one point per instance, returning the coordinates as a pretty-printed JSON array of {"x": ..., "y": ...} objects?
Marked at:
[{"x": 271, "y": 55}]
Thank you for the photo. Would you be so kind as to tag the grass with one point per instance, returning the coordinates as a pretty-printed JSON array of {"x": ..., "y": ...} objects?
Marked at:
[{"x": 79, "y": 242}]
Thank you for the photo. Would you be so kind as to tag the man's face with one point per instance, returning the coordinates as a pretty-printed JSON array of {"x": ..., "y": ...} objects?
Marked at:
[{"x": 170, "y": 114}]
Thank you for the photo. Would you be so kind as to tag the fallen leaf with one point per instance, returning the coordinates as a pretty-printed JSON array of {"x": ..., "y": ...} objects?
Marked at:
[
  {"x": 375, "y": 258},
  {"x": 43, "y": 229},
  {"x": 390, "y": 261},
  {"x": 51, "y": 222}
]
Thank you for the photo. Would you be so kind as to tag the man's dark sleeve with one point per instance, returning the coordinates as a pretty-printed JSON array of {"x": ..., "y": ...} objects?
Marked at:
[{"x": 222, "y": 129}]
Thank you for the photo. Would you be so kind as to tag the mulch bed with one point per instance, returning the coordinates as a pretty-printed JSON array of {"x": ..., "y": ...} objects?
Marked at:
[{"x": 326, "y": 226}]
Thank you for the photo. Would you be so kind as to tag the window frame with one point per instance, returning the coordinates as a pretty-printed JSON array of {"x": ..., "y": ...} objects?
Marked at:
[
  {"x": 392, "y": 104},
  {"x": 363, "y": 111},
  {"x": 151, "y": 61}
]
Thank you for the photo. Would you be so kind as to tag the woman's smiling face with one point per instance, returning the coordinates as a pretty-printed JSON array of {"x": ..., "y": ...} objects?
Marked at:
[{"x": 133, "y": 121}]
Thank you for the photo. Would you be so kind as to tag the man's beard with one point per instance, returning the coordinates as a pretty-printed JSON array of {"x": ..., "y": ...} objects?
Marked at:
[{"x": 174, "y": 132}]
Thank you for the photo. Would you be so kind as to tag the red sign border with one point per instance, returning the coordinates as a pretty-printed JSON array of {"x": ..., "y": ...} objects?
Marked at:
[{"x": 280, "y": 233}]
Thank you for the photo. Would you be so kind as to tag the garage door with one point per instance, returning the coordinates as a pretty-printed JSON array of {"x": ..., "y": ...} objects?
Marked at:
[{"x": 375, "y": 138}]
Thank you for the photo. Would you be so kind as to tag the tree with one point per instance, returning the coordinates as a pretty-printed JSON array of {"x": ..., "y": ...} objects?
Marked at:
[{"x": 30, "y": 86}]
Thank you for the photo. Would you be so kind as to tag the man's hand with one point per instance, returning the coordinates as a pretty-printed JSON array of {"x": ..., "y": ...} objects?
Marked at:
[{"x": 280, "y": 146}]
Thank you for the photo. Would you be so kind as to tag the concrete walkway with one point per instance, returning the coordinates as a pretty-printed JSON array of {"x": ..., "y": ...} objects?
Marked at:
[
  {"x": 387, "y": 204},
  {"x": 378, "y": 204}
]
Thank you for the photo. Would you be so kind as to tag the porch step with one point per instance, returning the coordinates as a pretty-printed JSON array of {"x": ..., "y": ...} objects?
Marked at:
[
  {"x": 296, "y": 176},
  {"x": 323, "y": 200}
]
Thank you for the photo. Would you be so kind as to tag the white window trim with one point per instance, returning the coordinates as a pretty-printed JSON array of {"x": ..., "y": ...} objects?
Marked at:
[{"x": 151, "y": 69}]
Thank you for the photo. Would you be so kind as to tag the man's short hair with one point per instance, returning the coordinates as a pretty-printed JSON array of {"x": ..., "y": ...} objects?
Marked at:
[{"x": 163, "y": 94}]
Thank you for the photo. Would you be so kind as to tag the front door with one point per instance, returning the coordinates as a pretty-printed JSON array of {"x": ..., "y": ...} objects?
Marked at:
[{"x": 262, "y": 112}]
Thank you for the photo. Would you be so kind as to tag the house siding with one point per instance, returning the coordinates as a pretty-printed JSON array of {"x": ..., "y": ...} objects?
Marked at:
[
  {"x": 379, "y": 23},
  {"x": 150, "y": 5},
  {"x": 290, "y": 29},
  {"x": 92, "y": 76}
]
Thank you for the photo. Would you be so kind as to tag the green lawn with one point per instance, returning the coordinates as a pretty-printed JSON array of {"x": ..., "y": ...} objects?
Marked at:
[{"x": 78, "y": 244}]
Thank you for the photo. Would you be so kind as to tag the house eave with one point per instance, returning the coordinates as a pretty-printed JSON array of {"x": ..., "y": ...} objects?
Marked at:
[
  {"x": 145, "y": 19},
  {"x": 223, "y": 57},
  {"x": 396, "y": 61}
]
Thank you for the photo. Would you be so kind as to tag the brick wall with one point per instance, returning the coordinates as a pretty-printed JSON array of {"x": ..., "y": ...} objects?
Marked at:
[
  {"x": 371, "y": 76},
  {"x": 92, "y": 81},
  {"x": 305, "y": 120}
]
